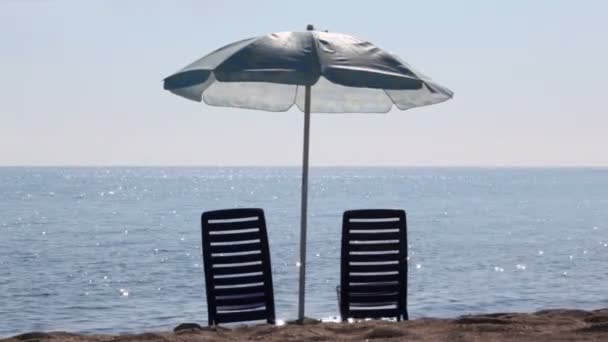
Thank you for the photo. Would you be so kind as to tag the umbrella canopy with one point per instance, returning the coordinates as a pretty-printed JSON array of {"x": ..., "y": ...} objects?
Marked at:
[
  {"x": 347, "y": 75},
  {"x": 317, "y": 71}
]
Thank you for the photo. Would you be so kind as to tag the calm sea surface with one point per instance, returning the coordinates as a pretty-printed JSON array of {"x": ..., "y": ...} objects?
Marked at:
[{"x": 118, "y": 249}]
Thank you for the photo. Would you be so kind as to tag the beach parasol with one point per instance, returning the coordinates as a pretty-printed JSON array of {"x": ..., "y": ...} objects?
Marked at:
[{"x": 319, "y": 72}]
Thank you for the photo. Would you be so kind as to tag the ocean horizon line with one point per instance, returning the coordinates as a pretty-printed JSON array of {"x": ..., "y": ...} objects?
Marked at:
[{"x": 345, "y": 166}]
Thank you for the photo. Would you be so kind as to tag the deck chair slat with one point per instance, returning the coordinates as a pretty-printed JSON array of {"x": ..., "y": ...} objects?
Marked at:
[
  {"x": 368, "y": 278},
  {"x": 373, "y": 257},
  {"x": 381, "y": 225},
  {"x": 375, "y": 313},
  {"x": 258, "y": 268},
  {"x": 234, "y": 237},
  {"x": 257, "y": 299},
  {"x": 373, "y": 268},
  {"x": 238, "y": 285},
  {"x": 243, "y": 316},
  {"x": 242, "y": 280},
  {"x": 241, "y": 247},
  {"x": 232, "y": 214},
  {"x": 374, "y": 288},
  {"x": 235, "y": 259},
  {"x": 374, "y": 247},
  {"x": 374, "y": 213},
  {"x": 373, "y": 278},
  {"x": 237, "y": 225},
  {"x": 237, "y": 291},
  {"x": 376, "y": 301},
  {"x": 380, "y": 236}
]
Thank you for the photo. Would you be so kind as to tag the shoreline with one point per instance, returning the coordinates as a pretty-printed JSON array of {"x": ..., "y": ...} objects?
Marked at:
[{"x": 545, "y": 325}]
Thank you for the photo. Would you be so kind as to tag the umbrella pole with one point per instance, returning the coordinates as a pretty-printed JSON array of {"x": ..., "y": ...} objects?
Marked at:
[{"x": 304, "y": 203}]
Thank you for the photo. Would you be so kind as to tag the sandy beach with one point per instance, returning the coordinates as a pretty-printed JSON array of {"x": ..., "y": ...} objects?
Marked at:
[{"x": 547, "y": 325}]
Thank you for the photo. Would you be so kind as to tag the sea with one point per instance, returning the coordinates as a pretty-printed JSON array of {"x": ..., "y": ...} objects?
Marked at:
[{"x": 118, "y": 249}]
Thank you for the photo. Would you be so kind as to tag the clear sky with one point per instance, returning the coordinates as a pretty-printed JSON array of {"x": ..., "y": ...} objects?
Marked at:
[{"x": 82, "y": 84}]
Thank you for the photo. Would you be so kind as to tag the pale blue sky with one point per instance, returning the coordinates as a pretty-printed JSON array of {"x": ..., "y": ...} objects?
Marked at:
[{"x": 82, "y": 84}]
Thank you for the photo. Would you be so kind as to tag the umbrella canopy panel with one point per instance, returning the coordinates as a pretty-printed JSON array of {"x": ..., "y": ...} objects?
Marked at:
[{"x": 346, "y": 75}]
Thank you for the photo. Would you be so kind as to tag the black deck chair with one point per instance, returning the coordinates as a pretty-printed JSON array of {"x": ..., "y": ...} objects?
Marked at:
[
  {"x": 373, "y": 269},
  {"x": 237, "y": 266}
]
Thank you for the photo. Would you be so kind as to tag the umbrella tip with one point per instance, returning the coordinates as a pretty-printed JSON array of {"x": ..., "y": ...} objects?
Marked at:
[{"x": 310, "y": 27}]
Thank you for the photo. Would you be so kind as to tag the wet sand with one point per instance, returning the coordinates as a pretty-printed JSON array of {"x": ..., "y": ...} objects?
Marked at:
[{"x": 548, "y": 325}]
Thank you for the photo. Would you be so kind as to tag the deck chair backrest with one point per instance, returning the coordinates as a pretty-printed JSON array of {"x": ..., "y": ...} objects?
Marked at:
[
  {"x": 237, "y": 266},
  {"x": 373, "y": 280}
]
